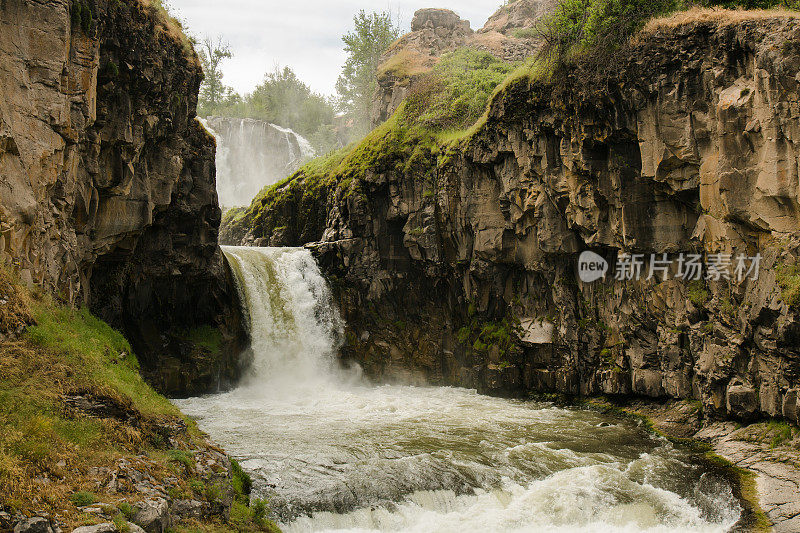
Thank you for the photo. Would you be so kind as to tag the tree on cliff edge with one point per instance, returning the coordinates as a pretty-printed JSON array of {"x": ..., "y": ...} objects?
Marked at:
[
  {"x": 364, "y": 45},
  {"x": 212, "y": 91}
]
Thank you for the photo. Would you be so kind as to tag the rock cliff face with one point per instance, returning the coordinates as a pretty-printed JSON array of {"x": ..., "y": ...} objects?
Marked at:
[
  {"x": 107, "y": 191},
  {"x": 460, "y": 266},
  {"x": 435, "y": 32}
]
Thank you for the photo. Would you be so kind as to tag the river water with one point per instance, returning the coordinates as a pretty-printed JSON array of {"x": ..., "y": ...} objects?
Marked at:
[{"x": 332, "y": 453}]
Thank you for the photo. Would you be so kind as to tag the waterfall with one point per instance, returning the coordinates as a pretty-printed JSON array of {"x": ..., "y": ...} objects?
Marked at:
[
  {"x": 295, "y": 329},
  {"x": 252, "y": 154}
]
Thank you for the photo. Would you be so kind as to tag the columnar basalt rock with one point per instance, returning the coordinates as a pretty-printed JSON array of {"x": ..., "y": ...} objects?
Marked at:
[
  {"x": 107, "y": 194},
  {"x": 688, "y": 145}
]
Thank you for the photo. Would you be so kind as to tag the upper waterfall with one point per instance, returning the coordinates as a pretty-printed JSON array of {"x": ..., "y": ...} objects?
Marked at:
[{"x": 251, "y": 154}]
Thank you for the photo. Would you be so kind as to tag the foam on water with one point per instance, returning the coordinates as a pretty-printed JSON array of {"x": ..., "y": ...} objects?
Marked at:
[{"x": 335, "y": 454}]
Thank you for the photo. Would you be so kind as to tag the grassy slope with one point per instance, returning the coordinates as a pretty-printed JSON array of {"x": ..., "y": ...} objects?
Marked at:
[{"x": 47, "y": 447}]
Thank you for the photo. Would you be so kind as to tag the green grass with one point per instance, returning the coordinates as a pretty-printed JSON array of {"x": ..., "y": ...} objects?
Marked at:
[
  {"x": 98, "y": 355},
  {"x": 241, "y": 481},
  {"x": 121, "y": 524},
  {"x": 454, "y": 95},
  {"x": 788, "y": 278},
  {"x": 66, "y": 352},
  {"x": 83, "y": 498},
  {"x": 252, "y": 517},
  {"x": 127, "y": 510},
  {"x": 781, "y": 432},
  {"x": 698, "y": 293},
  {"x": 206, "y": 337},
  {"x": 184, "y": 458}
]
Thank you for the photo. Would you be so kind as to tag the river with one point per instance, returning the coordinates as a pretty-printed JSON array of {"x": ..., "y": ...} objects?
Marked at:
[{"x": 332, "y": 453}]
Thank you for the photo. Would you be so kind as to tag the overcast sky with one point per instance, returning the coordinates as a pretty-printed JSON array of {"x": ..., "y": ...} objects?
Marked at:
[{"x": 303, "y": 34}]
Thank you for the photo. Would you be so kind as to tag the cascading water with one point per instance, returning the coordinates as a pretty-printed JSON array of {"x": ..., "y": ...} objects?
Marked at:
[
  {"x": 294, "y": 328},
  {"x": 334, "y": 454},
  {"x": 252, "y": 154}
]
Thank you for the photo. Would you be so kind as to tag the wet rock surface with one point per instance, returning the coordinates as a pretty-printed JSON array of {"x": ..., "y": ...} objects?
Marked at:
[{"x": 770, "y": 451}]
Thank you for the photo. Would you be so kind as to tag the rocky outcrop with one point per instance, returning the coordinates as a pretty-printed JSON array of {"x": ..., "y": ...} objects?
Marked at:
[
  {"x": 107, "y": 192},
  {"x": 459, "y": 266},
  {"x": 517, "y": 15},
  {"x": 435, "y": 32}
]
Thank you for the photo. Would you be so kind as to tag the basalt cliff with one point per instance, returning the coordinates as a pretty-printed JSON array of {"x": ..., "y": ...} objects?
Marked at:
[
  {"x": 107, "y": 193},
  {"x": 457, "y": 263}
]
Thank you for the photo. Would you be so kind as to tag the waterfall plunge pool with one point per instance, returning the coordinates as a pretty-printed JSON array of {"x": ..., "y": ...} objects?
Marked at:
[{"x": 331, "y": 453}]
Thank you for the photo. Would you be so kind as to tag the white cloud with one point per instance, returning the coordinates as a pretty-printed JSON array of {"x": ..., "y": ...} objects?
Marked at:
[{"x": 305, "y": 35}]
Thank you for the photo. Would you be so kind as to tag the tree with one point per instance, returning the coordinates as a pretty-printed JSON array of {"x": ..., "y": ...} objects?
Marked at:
[
  {"x": 285, "y": 100},
  {"x": 364, "y": 45},
  {"x": 213, "y": 92}
]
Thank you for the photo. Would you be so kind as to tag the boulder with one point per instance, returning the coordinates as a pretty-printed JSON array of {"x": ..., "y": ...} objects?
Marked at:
[
  {"x": 741, "y": 401},
  {"x": 437, "y": 18},
  {"x": 36, "y": 524},
  {"x": 183, "y": 509},
  {"x": 152, "y": 515}
]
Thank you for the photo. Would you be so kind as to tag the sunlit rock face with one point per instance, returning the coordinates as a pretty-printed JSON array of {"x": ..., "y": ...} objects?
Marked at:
[
  {"x": 252, "y": 154},
  {"x": 107, "y": 193},
  {"x": 656, "y": 155}
]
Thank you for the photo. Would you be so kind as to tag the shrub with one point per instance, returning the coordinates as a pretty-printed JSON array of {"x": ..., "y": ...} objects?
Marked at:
[
  {"x": 597, "y": 26},
  {"x": 120, "y": 524},
  {"x": 698, "y": 294},
  {"x": 454, "y": 95},
  {"x": 127, "y": 510},
  {"x": 182, "y": 457},
  {"x": 82, "y": 498},
  {"x": 788, "y": 278}
]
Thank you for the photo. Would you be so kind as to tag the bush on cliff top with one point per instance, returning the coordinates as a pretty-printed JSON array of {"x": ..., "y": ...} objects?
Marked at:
[
  {"x": 595, "y": 28},
  {"x": 454, "y": 95}
]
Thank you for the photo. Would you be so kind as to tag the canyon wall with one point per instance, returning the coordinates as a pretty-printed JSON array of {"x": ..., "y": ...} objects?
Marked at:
[
  {"x": 107, "y": 193},
  {"x": 458, "y": 264}
]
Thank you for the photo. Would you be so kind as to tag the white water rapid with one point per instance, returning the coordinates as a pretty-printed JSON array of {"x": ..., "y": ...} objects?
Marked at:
[{"x": 334, "y": 454}]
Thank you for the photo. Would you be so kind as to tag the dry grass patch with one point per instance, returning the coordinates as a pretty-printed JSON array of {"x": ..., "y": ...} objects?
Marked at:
[
  {"x": 723, "y": 17},
  {"x": 406, "y": 63}
]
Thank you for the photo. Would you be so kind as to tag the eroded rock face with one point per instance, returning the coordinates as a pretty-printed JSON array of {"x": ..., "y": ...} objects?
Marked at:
[
  {"x": 107, "y": 191},
  {"x": 696, "y": 155},
  {"x": 516, "y": 15}
]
